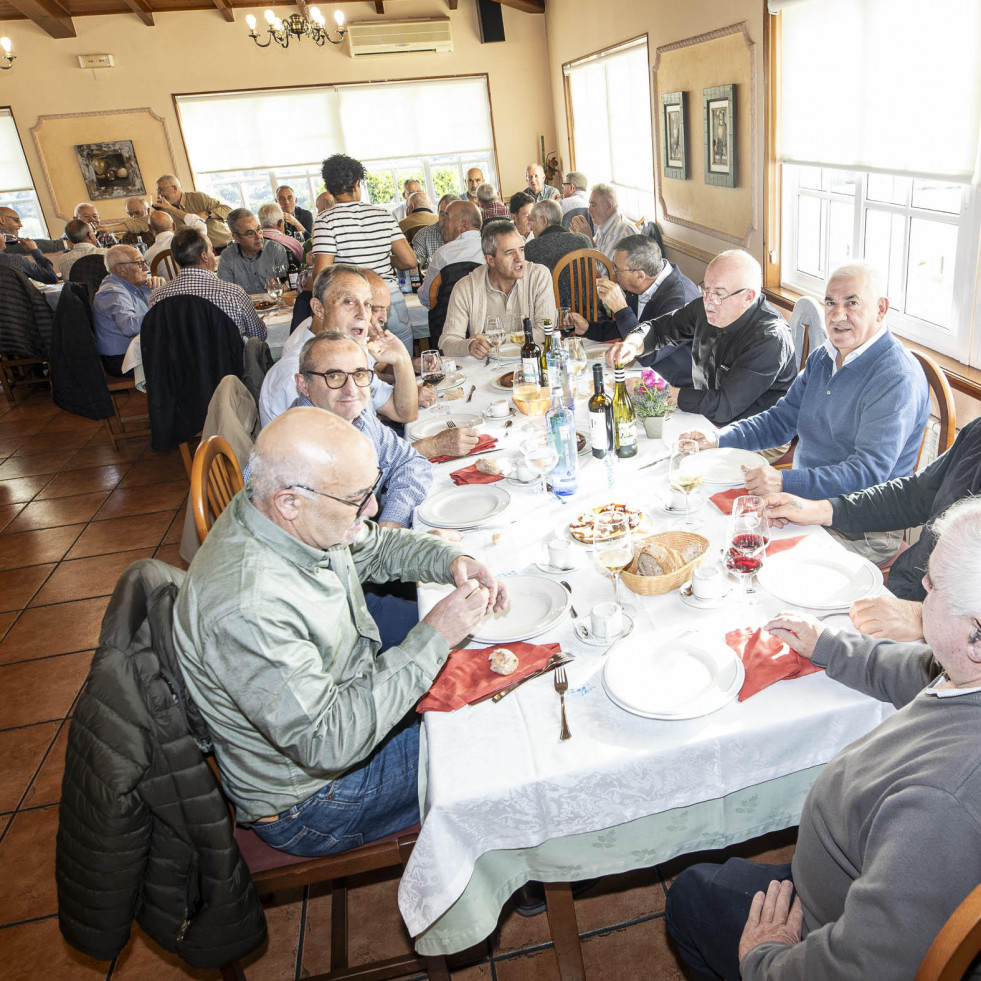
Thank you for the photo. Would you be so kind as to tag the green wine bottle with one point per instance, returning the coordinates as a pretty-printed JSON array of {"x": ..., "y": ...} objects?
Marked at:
[{"x": 624, "y": 420}]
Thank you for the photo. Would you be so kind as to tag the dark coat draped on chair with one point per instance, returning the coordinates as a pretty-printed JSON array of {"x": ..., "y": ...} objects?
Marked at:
[
  {"x": 25, "y": 317},
  {"x": 449, "y": 276}
]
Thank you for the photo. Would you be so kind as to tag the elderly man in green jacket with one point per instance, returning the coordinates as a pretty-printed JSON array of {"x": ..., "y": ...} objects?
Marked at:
[{"x": 308, "y": 714}]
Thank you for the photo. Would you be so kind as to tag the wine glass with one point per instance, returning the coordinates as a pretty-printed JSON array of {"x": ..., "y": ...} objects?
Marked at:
[
  {"x": 750, "y": 502},
  {"x": 274, "y": 288},
  {"x": 512, "y": 325},
  {"x": 613, "y": 543},
  {"x": 746, "y": 547},
  {"x": 563, "y": 322},
  {"x": 432, "y": 373},
  {"x": 683, "y": 474},
  {"x": 578, "y": 362},
  {"x": 540, "y": 455},
  {"x": 494, "y": 332}
]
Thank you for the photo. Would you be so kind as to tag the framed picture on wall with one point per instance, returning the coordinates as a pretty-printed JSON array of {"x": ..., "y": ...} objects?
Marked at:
[
  {"x": 109, "y": 170},
  {"x": 674, "y": 134},
  {"x": 720, "y": 135}
]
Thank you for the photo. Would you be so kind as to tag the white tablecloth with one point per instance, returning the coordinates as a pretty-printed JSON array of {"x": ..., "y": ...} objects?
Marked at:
[{"x": 498, "y": 777}]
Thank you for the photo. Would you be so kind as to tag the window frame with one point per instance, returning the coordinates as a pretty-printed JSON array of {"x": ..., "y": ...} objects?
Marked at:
[{"x": 33, "y": 186}]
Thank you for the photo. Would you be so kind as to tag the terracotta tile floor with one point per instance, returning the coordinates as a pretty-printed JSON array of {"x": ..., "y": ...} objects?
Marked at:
[{"x": 73, "y": 514}]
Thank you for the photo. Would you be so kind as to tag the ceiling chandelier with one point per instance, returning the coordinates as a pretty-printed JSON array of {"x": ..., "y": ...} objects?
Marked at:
[
  {"x": 5, "y": 55},
  {"x": 297, "y": 26}
]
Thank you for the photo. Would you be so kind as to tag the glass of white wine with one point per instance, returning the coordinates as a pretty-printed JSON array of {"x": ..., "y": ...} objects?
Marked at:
[
  {"x": 494, "y": 332},
  {"x": 613, "y": 546},
  {"x": 578, "y": 362},
  {"x": 684, "y": 475},
  {"x": 540, "y": 455},
  {"x": 515, "y": 331}
]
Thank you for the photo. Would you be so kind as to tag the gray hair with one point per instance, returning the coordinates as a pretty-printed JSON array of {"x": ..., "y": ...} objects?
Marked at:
[
  {"x": 321, "y": 285},
  {"x": 874, "y": 279},
  {"x": 169, "y": 178},
  {"x": 284, "y": 187},
  {"x": 118, "y": 254},
  {"x": 77, "y": 231},
  {"x": 577, "y": 179},
  {"x": 643, "y": 253},
  {"x": 447, "y": 198},
  {"x": 549, "y": 209},
  {"x": 492, "y": 232},
  {"x": 419, "y": 199},
  {"x": 83, "y": 204},
  {"x": 960, "y": 528},
  {"x": 307, "y": 359},
  {"x": 234, "y": 217},
  {"x": 608, "y": 191},
  {"x": 486, "y": 193},
  {"x": 270, "y": 215},
  {"x": 533, "y": 167}
]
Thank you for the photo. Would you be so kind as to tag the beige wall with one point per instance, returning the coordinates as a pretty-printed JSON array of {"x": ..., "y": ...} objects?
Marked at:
[
  {"x": 577, "y": 29},
  {"x": 199, "y": 51}
]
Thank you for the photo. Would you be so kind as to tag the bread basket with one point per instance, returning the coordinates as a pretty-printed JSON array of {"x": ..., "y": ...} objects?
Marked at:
[{"x": 657, "y": 585}]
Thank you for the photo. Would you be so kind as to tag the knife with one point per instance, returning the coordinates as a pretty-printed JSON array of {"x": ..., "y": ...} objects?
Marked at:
[
  {"x": 654, "y": 463},
  {"x": 555, "y": 661}
]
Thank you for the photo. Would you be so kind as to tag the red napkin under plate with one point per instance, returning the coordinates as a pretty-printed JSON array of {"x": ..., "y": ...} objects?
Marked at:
[
  {"x": 471, "y": 475},
  {"x": 766, "y": 659},
  {"x": 485, "y": 442}
]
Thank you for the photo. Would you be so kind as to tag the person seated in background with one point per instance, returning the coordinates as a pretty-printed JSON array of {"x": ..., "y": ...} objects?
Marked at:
[
  {"x": 872, "y": 892},
  {"x": 273, "y": 226},
  {"x": 858, "y": 407},
  {"x": 297, "y": 221},
  {"x": 895, "y": 505},
  {"x": 163, "y": 228},
  {"x": 742, "y": 354},
  {"x": 182, "y": 205},
  {"x": 551, "y": 242},
  {"x": 88, "y": 212},
  {"x": 80, "y": 236},
  {"x": 647, "y": 287},
  {"x": 418, "y": 215},
  {"x": 251, "y": 261},
  {"x": 610, "y": 227},
  {"x": 490, "y": 203},
  {"x": 462, "y": 234},
  {"x": 120, "y": 304},
  {"x": 409, "y": 187},
  {"x": 429, "y": 241},
  {"x": 10, "y": 226},
  {"x": 325, "y": 201},
  {"x": 34, "y": 264},
  {"x": 520, "y": 205},
  {"x": 537, "y": 189},
  {"x": 505, "y": 285},
  {"x": 475, "y": 177},
  {"x": 274, "y": 595},
  {"x": 573, "y": 192},
  {"x": 196, "y": 261},
  {"x": 137, "y": 208}
]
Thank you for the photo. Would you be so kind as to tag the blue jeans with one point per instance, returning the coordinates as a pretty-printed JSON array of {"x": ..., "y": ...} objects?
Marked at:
[
  {"x": 398, "y": 319},
  {"x": 394, "y": 617},
  {"x": 375, "y": 799},
  {"x": 706, "y": 911}
]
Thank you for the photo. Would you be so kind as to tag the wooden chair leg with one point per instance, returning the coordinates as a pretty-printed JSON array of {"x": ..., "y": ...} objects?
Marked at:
[
  {"x": 187, "y": 458},
  {"x": 338, "y": 925},
  {"x": 565, "y": 930},
  {"x": 113, "y": 438}
]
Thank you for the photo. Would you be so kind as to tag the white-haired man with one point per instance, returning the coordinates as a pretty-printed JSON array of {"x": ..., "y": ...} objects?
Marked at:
[
  {"x": 80, "y": 238},
  {"x": 489, "y": 201},
  {"x": 574, "y": 192},
  {"x": 419, "y": 214},
  {"x": 273, "y": 225},
  {"x": 181, "y": 205},
  {"x": 550, "y": 242},
  {"x": 89, "y": 213},
  {"x": 874, "y": 884},
  {"x": 537, "y": 188},
  {"x": 251, "y": 261},
  {"x": 297, "y": 221},
  {"x": 409, "y": 187},
  {"x": 609, "y": 225}
]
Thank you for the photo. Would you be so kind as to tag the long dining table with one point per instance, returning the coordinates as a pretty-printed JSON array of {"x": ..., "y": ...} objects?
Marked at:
[{"x": 504, "y": 800}]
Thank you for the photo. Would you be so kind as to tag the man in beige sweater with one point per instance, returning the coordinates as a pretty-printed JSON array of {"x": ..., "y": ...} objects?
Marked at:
[
  {"x": 507, "y": 286},
  {"x": 178, "y": 203}
]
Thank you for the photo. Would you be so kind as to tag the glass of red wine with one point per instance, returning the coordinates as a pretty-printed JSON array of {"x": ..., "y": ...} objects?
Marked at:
[
  {"x": 432, "y": 373},
  {"x": 747, "y": 541}
]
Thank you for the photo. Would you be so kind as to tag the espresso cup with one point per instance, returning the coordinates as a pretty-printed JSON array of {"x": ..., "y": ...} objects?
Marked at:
[
  {"x": 449, "y": 365},
  {"x": 707, "y": 582},
  {"x": 606, "y": 621},
  {"x": 560, "y": 554},
  {"x": 677, "y": 500},
  {"x": 498, "y": 408}
]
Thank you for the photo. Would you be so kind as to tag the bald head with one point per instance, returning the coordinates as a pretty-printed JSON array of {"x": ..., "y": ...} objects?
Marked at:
[
  {"x": 417, "y": 201},
  {"x": 325, "y": 201},
  {"x": 733, "y": 283},
  {"x": 461, "y": 216},
  {"x": 161, "y": 222}
]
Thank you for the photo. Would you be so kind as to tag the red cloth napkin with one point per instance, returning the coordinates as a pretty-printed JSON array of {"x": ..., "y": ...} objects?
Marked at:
[
  {"x": 467, "y": 675},
  {"x": 725, "y": 499},
  {"x": 778, "y": 545},
  {"x": 471, "y": 475},
  {"x": 766, "y": 659},
  {"x": 485, "y": 442}
]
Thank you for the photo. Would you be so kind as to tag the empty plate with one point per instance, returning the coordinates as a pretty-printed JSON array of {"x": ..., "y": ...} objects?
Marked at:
[
  {"x": 464, "y": 507},
  {"x": 452, "y": 379},
  {"x": 724, "y": 464},
  {"x": 422, "y": 428},
  {"x": 819, "y": 579},
  {"x": 536, "y": 605}
]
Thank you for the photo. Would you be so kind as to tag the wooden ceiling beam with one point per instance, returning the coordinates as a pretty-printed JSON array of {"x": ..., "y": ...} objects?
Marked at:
[
  {"x": 52, "y": 18},
  {"x": 142, "y": 10},
  {"x": 528, "y": 6},
  {"x": 454, "y": 4},
  {"x": 379, "y": 6},
  {"x": 226, "y": 10}
]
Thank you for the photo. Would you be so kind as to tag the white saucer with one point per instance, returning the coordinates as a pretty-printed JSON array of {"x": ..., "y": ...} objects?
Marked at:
[
  {"x": 576, "y": 556},
  {"x": 605, "y": 641},
  {"x": 697, "y": 501},
  {"x": 701, "y": 604},
  {"x": 492, "y": 418}
]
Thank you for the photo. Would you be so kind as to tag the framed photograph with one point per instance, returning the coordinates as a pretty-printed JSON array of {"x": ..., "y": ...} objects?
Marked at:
[
  {"x": 109, "y": 170},
  {"x": 720, "y": 135},
  {"x": 674, "y": 134}
]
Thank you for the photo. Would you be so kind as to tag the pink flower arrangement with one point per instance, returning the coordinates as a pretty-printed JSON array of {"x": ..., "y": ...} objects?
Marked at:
[{"x": 650, "y": 396}]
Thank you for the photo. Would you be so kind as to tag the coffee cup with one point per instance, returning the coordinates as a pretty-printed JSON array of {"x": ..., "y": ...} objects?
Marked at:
[
  {"x": 449, "y": 365},
  {"x": 677, "y": 500},
  {"x": 606, "y": 621},
  {"x": 707, "y": 582},
  {"x": 498, "y": 408},
  {"x": 524, "y": 473},
  {"x": 560, "y": 554}
]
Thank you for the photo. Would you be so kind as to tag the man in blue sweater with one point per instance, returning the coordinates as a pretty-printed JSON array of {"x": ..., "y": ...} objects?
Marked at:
[{"x": 858, "y": 407}]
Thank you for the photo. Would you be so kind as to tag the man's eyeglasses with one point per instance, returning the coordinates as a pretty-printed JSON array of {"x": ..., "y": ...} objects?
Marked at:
[
  {"x": 719, "y": 295},
  {"x": 359, "y": 505},
  {"x": 620, "y": 271},
  {"x": 335, "y": 378},
  {"x": 251, "y": 233},
  {"x": 134, "y": 262}
]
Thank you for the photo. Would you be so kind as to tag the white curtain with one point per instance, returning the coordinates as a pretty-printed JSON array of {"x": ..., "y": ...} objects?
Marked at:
[
  {"x": 881, "y": 85},
  {"x": 14, "y": 175}
]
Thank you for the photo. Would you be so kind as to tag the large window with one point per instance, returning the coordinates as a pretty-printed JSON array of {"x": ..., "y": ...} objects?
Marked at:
[
  {"x": 282, "y": 136},
  {"x": 608, "y": 100},
  {"x": 16, "y": 186}
]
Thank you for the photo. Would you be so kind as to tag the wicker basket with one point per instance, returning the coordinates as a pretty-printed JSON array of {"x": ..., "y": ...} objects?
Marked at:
[{"x": 656, "y": 585}]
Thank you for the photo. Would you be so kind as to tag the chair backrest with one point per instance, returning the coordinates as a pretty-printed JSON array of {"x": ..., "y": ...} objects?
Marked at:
[
  {"x": 449, "y": 276},
  {"x": 25, "y": 317},
  {"x": 807, "y": 328},
  {"x": 956, "y": 945},
  {"x": 88, "y": 272},
  {"x": 577, "y": 213},
  {"x": 434, "y": 289},
  {"x": 166, "y": 260},
  {"x": 582, "y": 272},
  {"x": 940, "y": 390},
  {"x": 215, "y": 480}
]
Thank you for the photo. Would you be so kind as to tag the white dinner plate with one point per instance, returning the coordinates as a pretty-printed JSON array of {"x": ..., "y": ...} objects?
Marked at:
[
  {"x": 595, "y": 351},
  {"x": 452, "y": 379},
  {"x": 684, "y": 678},
  {"x": 509, "y": 352},
  {"x": 422, "y": 428},
  {"x": 464, "y": 507},
  {"x": 723, "y": 464},
  {"x": 536, "y": 605},
  {"x": 819, "y": 580}
]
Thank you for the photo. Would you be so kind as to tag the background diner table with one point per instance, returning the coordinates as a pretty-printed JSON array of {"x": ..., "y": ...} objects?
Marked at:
[{"x": 504, "y": 801}]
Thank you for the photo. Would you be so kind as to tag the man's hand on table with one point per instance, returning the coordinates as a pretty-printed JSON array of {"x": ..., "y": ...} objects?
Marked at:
[
  {"x": 479, "y": 347},
  {"x": 427, "y": 397},
  {"x": 624, "y": 351},
  {"x": 457, "y": 615},
  {"x": 706, "y": 441},
  {"x": 888, "y": 616},
  {"x": 797, "y": 630},
  {"x": 783, "y": 508},
  {"x": 579, "y": 322},
  {"x": 763, "y": 480},
  {"x": 450, "y": 442},
  {"x": 772, "y": 918},
  {"x": 464, "y": 567}
]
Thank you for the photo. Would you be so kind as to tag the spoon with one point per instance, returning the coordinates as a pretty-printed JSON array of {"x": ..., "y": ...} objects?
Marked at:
[{"x": 507, "y": 426}]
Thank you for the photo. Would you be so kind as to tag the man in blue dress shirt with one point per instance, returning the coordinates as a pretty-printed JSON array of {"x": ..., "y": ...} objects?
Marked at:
[{"x": 121, "y": 304}]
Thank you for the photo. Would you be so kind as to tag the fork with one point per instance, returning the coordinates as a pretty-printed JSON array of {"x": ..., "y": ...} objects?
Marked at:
[
  {"x": 450, "y": 424},
  {"x": 561, "y": 682}
]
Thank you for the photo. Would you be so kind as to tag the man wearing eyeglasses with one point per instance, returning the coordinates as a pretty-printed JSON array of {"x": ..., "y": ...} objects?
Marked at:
[
  {"x": 307, "y": 701},
  {"x": 121, "y": 304},
  {"x": 742, "y": 353},
  {"x": 251, "y": 260}
]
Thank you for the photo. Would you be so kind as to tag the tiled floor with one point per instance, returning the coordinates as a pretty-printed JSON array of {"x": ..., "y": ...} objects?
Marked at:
[{"x": 73, "y": 515}]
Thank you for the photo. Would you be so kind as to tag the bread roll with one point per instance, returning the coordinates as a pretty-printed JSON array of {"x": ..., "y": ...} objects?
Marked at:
[
  {"x": 489, "y": 466},
  {"x": 657, "y": 560},
  {"x": 503, "y": 661},
  {"x": 691, "y": 552}
]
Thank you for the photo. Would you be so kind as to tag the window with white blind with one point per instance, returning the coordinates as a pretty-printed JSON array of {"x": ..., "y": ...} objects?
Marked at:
[
  {"x": 609, "y": 106},
  {"x": 282, "y": 136},
  {"x": 16, "y": 187},
  {"x": 880, "y": 162}
]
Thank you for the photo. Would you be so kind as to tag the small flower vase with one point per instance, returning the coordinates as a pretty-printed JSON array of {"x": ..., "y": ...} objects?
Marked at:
[{"x": 654, "y": 427}]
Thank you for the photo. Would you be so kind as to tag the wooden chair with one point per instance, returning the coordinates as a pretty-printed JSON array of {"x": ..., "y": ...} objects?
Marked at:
[
  {"x": 580, "y": 267},
  {"x": 21, "y": 373},
  {"x": 215, "y": 480},
  {"x": 434, "y": 289},
  {"x": 940, "y": 390},
  {"x": 166, "y": 260},
  {"x": 119, "y": 387},
  {"x": 957, "y": 944}
]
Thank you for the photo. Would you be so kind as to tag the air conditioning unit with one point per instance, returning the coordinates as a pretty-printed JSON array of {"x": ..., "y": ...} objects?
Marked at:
[{"x": 394, "y": 36}]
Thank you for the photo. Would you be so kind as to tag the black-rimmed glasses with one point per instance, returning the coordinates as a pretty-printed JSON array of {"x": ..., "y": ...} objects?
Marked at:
[
  {"x": 359, "y": 505},
  {"x": 335, "y": 378},
  {"x": 719, "y": 295},
  {"x": 134, "y": 262}
]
